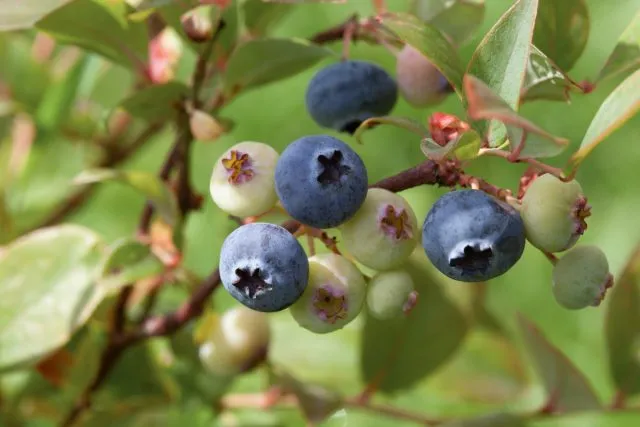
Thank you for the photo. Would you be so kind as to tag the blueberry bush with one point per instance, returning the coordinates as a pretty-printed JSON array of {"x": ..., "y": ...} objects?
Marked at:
[{"x": 319, "y": 213}]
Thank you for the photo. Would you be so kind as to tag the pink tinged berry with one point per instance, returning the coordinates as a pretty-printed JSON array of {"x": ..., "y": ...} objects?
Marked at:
[
  {"x": 554, "y": 213},
  {"x": 382, "y": 234},
  {"x": 242, "y": 182},
  {"x": 581, "y": 278},
  {"x": 334, "y": 296},
  {"x": 420, "y": 82}
]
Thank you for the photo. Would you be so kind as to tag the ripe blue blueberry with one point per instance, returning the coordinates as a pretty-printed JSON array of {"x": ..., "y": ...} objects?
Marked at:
[
  {"x": 472, "y": 237},
  {"x": 321, "y": 181},
  {"x": 343, "y": 95},
  {"x": 263, "y": 266}
]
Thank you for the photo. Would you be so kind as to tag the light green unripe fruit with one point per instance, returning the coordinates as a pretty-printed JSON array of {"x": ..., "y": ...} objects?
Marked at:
[
  {"x": 242, "y": 182},
  {"x": 581, "y": 278},
  {"x": 388, "y": 293},
  {"x": 334, "y": 296},
  {"x": 383, "y": 233},
  {"x": 554, "y": 213},
  {"x": 419, "y": 81},
  {"x": 238, "y": 343}
]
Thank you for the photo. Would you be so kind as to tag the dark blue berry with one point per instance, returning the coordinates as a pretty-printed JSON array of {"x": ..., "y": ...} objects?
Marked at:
[
  {"x": 472, "y": 237},
  {"x": 263, "y": 266},
  {"x": 343, "y": 95},
  {"x": 321, "y": 181}
]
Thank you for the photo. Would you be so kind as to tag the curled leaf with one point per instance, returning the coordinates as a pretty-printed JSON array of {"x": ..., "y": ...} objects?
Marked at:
[
  {"x": 544, "y": 80},
  {"x": 485, "y": 104}
]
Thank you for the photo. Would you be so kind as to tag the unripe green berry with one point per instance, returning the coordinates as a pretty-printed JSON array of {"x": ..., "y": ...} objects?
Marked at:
[
  {"x": 420, "y": 82},
  {"x": 383, "y": 233},
  {"x": 238, "y": 343},
  {"x": 242, "y": 182},
  {"x": 389, "y": 293},
  {"x": 554, "y": 213},
  {"x": 334, "y": 296},
  {"x": 581, "y": 278}
]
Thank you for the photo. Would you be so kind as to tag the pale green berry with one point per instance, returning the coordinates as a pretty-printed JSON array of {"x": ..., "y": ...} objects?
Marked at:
[
  {"x": 420, "y": 82},
  {"x": 242, "y": 182},
  {"x": 554, "y": 213},
  {"x": 237, "y": 343},
  {"x": 383, "y": 233},
  {"x": 334, "y": 296},
  {"x": 581, "y": 278},
  {"x": 389, "y": 293}
]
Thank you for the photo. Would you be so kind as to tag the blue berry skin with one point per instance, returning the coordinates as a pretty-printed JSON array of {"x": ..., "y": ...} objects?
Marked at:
[
  {"x": 321, "y": 181},
  {"x": 472, "y": 237},
  {"x": 343, "y": 95},
  {"x": 263, "y": 267}
]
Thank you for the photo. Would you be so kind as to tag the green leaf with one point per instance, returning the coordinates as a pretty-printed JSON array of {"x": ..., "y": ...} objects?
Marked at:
[
  {"x": 60, "y": 97},
  {"x": 400, "y": 122},
  {"x": 87, "y": 354},
  {"x": 127, "y": 261},
  {"x": 562, "y": 30},
  {"x": 258, "y": 62},
  {"x": 544, "y": 80},
  {"x": 100, "y": 27},
  {"x": 261, "y": 16},
  {"x": 19, "y": 66},
  {"x": 621, "y": 104},
  {"x": 156, "y": 102},
  {"x": 567, "y": 388},
  {"x": 622, "y": 328},
  {"x": 501, "y": 58},
  {"x": 626, "y": 55},
  {"x": 430, "y": 41},
  {"x": 47, "y": 291},
  {"x": 464, "y": 147},
  {"x": 485, "y": 104},
  {"x": 316, "y": 402},
  {"x": 16, "y": 15},
  {"x": 145, "y": 183},
  {"x": 491, "y": 420},
  {"x": 398, "y": 354},
  {"x": 458, "y": 19}
]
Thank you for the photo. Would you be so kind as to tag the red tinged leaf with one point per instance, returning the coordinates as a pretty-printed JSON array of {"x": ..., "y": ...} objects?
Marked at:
[
  {"x": 483, "y": 103},
  {"x": 55, "y": 367}
]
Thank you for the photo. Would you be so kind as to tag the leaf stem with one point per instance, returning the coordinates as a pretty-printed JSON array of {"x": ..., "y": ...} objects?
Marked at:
[{"x": 390, "y": 411}]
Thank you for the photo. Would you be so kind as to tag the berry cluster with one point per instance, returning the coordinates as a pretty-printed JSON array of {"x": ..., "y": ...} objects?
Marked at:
[{"x": 321, "y": 182}]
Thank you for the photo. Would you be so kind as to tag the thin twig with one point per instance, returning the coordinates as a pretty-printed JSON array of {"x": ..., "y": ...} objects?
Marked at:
[{"x": 164, "y": 174}]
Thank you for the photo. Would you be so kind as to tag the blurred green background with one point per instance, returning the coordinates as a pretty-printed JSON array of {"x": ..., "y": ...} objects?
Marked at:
[{"x": 487, "y": 372}]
